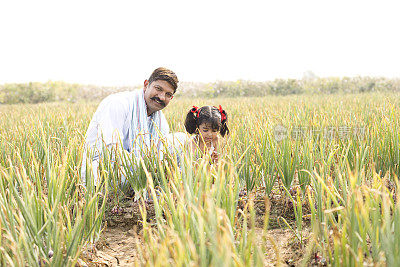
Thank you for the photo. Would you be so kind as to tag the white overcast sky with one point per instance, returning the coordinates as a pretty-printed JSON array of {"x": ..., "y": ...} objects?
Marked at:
[{"x": 121, "y": 42}]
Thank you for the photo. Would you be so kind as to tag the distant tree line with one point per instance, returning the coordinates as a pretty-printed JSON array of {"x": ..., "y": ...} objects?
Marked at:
[
  {"x": 330, "y": 85},
  {"x": 35, "y": 92}
]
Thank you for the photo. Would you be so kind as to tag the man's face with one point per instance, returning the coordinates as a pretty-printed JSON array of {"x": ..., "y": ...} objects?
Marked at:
[{"x": 157, "y": 95}]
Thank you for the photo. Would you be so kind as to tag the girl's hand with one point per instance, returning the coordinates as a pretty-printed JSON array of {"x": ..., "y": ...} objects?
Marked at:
[
  {"x": 214, "y": 153},
  {"x": 214, "y": 156}
]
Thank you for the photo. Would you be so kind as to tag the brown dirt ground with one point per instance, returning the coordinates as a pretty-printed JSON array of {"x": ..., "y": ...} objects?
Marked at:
[{"x": 117, "y": 245}]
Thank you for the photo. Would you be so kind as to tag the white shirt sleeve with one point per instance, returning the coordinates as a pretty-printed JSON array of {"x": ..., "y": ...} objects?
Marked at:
[
  {"x": 177, "y": 143},
  {"x": 107, "y": 127}
]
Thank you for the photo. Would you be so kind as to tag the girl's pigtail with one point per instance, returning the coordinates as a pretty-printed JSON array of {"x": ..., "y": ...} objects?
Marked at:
[
  {"x": 190, "y": 122},
  {"x": 224, "y": 118}
]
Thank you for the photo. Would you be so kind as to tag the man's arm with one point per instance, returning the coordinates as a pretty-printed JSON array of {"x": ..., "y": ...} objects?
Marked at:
[
  {"x": 106, "y": 129},
  {"x": 108, "y": 125}
]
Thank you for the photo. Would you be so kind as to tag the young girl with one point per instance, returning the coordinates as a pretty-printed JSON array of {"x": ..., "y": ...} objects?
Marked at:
[{"x": 205, "y": 123}]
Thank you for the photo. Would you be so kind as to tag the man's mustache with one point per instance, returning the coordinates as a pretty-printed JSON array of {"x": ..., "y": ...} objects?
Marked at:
[{"x": 159, "y": 100}]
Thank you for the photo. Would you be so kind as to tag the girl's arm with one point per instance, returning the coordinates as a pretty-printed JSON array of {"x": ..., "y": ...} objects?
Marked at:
[{"x": 214, "y": 150}]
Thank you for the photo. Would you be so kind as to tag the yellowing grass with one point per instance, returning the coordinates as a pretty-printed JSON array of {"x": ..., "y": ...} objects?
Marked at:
[{"x": 344, "y": 179}]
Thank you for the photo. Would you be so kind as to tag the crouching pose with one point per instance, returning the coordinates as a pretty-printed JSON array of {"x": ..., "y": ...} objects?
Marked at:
[{"x": 130, "y": 120}]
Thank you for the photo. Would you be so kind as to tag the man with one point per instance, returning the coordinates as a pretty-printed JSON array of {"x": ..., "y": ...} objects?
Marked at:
[{"x": 130, "y": 119}]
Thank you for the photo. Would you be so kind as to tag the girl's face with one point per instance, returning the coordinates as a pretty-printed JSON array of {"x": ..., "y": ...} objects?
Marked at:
[{"x": 208, "y": 133}]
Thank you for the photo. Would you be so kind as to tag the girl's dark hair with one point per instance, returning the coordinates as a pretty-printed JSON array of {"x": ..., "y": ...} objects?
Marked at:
[{"x": 208, "y": 114}]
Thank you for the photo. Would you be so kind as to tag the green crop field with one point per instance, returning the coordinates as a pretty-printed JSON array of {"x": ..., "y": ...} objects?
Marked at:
[{"x": 332, "y": 160}]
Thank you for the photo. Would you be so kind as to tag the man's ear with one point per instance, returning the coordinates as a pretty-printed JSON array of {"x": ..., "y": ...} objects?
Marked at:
[{"x": 145, "y": 84}]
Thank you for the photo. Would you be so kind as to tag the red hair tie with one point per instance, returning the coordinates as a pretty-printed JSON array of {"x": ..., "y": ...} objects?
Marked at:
[
  {"x": 223, "y": 114},
  {"x": 195, "y": 110}
]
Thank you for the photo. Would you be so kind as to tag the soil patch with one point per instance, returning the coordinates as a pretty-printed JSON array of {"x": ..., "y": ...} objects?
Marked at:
[{"x": 117, "y": 245}]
